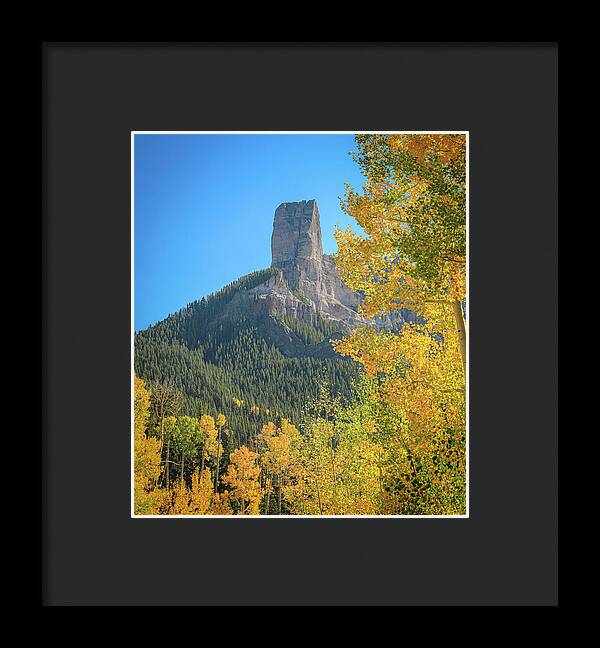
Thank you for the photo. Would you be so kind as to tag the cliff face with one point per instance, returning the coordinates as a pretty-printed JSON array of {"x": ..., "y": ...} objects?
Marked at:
[
  {"x": 310, "y": 275},
  {"x": 296, "y": 244}
]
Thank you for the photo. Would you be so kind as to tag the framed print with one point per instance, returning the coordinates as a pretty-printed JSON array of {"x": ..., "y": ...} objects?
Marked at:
[
  {"x": 283, "y": 343},
  {"x": 324, "y": 384}
]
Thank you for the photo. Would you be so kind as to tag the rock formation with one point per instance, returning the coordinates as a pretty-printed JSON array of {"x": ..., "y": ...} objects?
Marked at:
[
  {"x": 309, "y": 283},
  {"x": 303, "y": 284},
  {"x": 297, "y": 250}
]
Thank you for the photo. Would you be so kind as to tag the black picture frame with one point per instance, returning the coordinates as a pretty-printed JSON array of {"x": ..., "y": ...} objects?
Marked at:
[{"x": 506, "y": 96}]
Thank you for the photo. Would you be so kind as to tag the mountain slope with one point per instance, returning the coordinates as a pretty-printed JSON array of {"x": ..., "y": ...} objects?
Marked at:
[{"x": 253, "y": 367}]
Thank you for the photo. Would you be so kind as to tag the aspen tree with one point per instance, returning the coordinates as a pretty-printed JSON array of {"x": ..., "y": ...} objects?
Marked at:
[
  {"x": 147, "y": 454},
  {"x": 186, "y": 437},
  {"x": 242, "y": 478},
  {"x": 220, "y": 423},
  {"x": 412, "y": 255},
  {"x": 200, "y": 493},
  {"x": 276, "y": 445},
  {"x": 413, "y": 214},
  {"x": 208, "y": 436},
  {"x": 164, "y": 403}
]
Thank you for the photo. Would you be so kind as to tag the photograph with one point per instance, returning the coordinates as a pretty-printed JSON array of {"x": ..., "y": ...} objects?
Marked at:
[
  {"x": 299, "y": 324},
  {"x": 261, "y": 265}
]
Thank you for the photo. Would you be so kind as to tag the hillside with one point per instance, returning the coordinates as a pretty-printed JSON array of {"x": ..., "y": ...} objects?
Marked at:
[{"x": 234, "y": 366}]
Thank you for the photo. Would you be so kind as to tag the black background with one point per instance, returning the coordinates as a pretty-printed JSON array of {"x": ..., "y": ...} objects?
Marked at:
[{"x": 506, "y": 96}]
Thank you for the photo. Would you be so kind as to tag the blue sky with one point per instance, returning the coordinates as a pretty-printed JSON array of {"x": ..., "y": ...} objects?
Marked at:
[{"x": 204, "y": 207}]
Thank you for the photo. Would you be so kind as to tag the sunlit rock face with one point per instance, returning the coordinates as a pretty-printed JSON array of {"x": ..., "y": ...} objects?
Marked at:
[
  {"x": 304, "y": 284},
  {"x": 296, "y": 243},
  {"x": 311, "y": 276}
]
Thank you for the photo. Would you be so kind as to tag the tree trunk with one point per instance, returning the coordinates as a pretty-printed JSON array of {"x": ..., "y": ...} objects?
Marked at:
[
  {"x": 319, "y": 496},
  {"x": 218, "y": 459},
  {"x": 279, "y": 498},
  {"x": 268, "y": 489},
  {"x": 162, "y": 442},
  {"x": 461, "y": 330},
  {"x": 168, "y": 462},
  {"x": 334, "y": 489}
]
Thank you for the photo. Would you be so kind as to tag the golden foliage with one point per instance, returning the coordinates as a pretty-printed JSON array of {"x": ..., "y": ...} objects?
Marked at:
[
  {"x": 201, "y": 493},
  {"x": 194, "y": 501},
  {"x": 412, "y": 255},
  {"x": 421, "y": 146},
  {"x": 147, "y": 456},
  {"x": 413, "y": 214},
  {"x": 220, "y": 504},
  {"x": 242, "y": 478},
  {"x": 210, "y": 443}
]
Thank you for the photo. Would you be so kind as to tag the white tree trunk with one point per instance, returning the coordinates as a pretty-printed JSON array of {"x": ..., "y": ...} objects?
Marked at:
[{"x": 462, "y": 332}]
